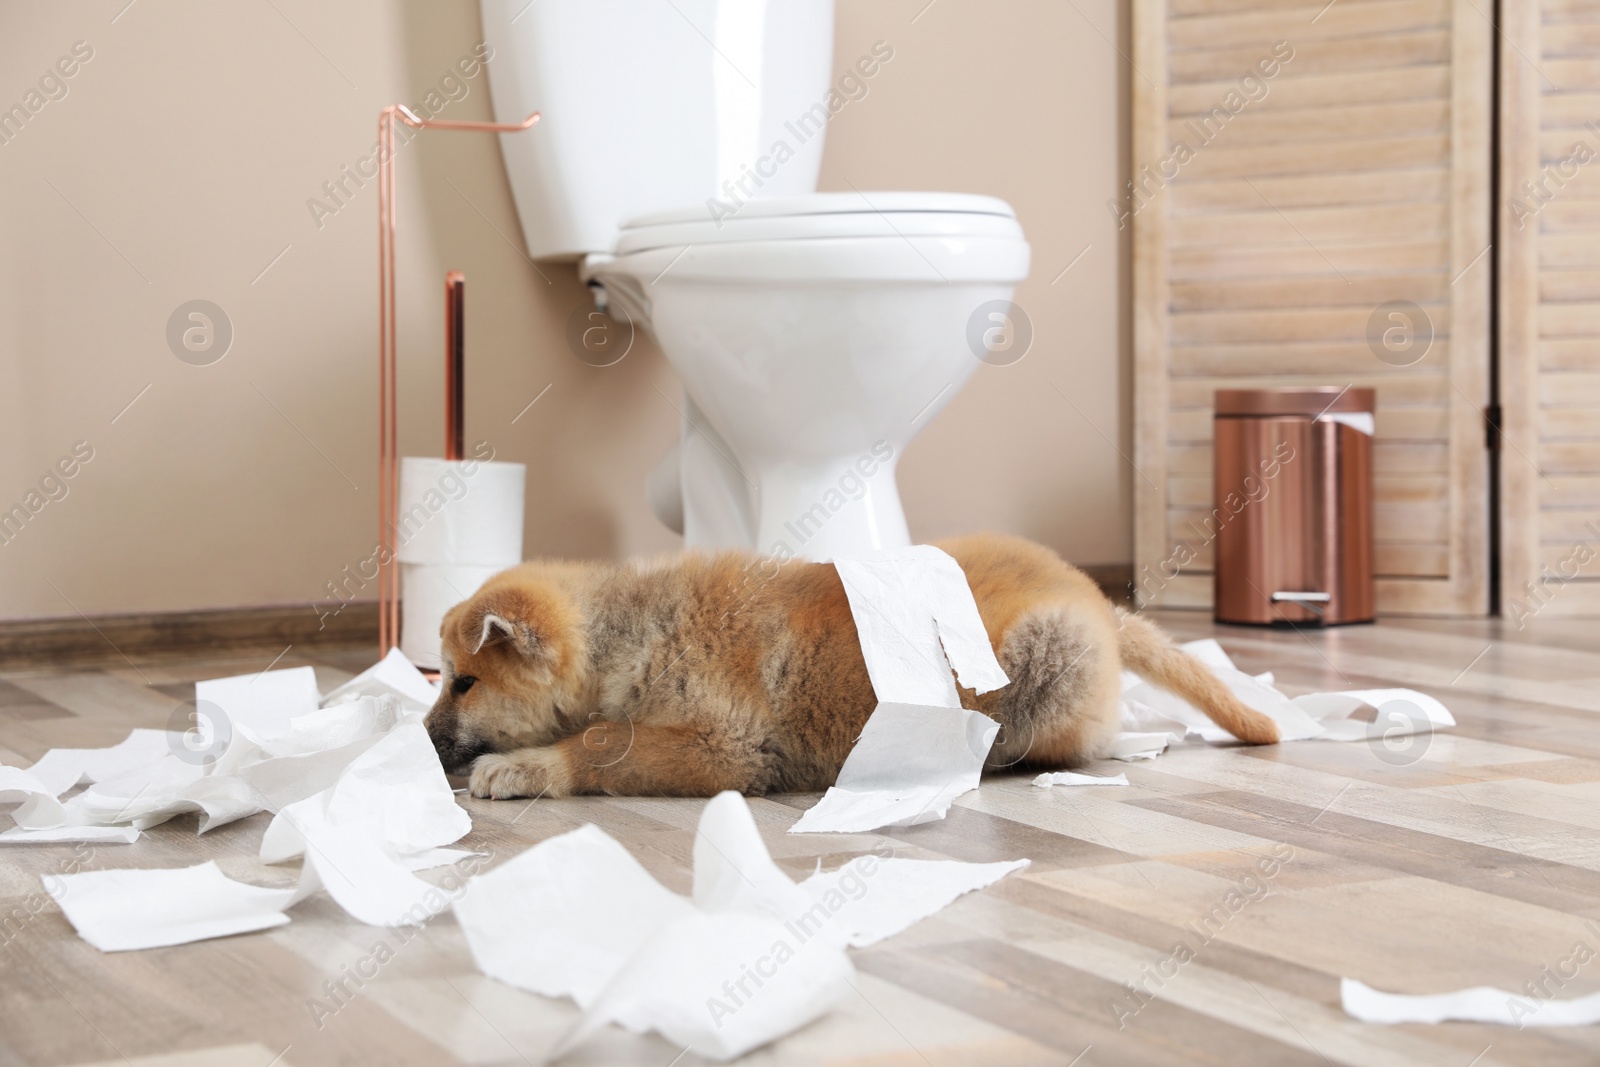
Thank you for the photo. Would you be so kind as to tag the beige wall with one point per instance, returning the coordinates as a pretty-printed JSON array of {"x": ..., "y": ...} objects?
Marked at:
[{"x": 179, "y": 165}]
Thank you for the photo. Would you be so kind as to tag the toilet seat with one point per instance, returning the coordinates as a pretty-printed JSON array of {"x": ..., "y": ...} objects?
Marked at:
[{"x": 823, "y": 215}]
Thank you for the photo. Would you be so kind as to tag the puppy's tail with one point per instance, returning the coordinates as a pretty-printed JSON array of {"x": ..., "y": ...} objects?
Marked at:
[{"x": 1147, "y": 652}]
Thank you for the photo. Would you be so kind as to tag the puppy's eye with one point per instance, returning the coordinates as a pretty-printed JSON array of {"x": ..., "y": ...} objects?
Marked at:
[{"x": 462, "y": 683}]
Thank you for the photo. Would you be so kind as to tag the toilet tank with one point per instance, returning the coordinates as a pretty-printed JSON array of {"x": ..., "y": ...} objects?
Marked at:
[{"x": 650, "y": 105}]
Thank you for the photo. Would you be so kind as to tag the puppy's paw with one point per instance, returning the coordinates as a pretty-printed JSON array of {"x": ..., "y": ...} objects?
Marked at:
[{"x": 528, "y": 772}]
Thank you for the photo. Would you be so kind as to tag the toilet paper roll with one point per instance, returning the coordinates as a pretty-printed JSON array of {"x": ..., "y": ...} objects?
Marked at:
[
  {"x": 427, "y": 591},
  {"x": 465, "y": 512}
]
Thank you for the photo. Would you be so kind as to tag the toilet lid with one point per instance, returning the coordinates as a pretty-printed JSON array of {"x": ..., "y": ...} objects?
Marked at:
[{"x": 823, "y": 215}]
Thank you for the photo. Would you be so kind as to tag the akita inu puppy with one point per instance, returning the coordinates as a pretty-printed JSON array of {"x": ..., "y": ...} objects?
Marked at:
[{"x": 732, "y": 671}]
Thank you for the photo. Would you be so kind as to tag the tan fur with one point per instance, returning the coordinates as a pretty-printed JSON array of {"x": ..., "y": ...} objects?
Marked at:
[{"x": 730, "y": 671}]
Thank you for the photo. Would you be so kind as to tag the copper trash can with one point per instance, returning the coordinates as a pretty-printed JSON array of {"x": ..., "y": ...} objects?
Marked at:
[{"x": 1293, "y": 505}]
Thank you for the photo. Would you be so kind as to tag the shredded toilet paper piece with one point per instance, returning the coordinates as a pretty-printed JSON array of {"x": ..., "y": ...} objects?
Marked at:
[
  {"x": 561, "y": 918},
  {"x": 1359, "y": 421},
  {"x": 684, "y": 982},
  {"x": 869, "y": 901},
  {"x": 260, "y": 705},
  {"x": 154, "y": 794},
  {"x": 39, "y": 808},
  {"x": 1482, "y": 1004},
  {"x": 920, "y": 750},
  {"x": 1354, "y": 715},
  {"x": 578, "y": 916},
  {"x": 1130, "y": 745},
  {"x": 394, "y": 675},
  {"x": 119, "y": 910},
  {"x": 395, "y": 791},
  {"x": 1050, "y": 778},
  {"x": 909, "y": 765},
  {"x": 390, "y": 807},
  {"x": 366, "y": 876},
  {"x": 356, "y": 785},
  {"x": 95, "y": 835},
  {"x": 912, "y": 608},
  {"x": 61, "y": 769}
]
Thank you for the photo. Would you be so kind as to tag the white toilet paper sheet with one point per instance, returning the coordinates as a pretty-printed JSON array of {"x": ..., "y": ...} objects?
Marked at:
[
  {"x": 913, "y": 608},
  {"x": 120, "y": 910},
  {"x": 257, "y": 706},
  {"x": 578, "y": 916},
  {"x": 94, "y": 835},
  {"x": 1054, "y": 778},
  {"x": 393, "y": 675},
  {"x": 920, "y": 750},
  {"x": 1152, "y": 717},
  {"x": 356, "y": 783},
  {"x": 1481, "y": 1004},
  {"x": 395, "y": 791},
  {"x": 61, "y": 769},
  {"x": 909, "y": 765}
]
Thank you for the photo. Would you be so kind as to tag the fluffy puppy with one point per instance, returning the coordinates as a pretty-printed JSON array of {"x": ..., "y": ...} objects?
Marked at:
[{"x": 731, "y": 671}]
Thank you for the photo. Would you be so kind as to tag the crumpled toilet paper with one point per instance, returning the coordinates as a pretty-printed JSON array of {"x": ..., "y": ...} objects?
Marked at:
[
  {"x": 1152, "y": 717},
  {"x": 1481, "y": 1004},
  {"x": 749, "y": 957},
  {"x": 1054, "y": 778},
  {"x": 391, "y": 803},
  {"x": 355, "y": 782},
  {"x": 61, "y": 769},
  {"x": 920, "y": 750},
  {"x": 257, "y": 706},
  {"x": 394, "y": 675}
]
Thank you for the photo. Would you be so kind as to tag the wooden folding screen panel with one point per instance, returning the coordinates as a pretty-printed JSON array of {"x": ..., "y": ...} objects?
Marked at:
[
  {"x": 1298, "y": 169},
  {"x": 1550, "y": 307}
]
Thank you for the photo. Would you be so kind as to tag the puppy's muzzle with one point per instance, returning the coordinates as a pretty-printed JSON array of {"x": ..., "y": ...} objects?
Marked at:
[{"x": 456, "y": 752}]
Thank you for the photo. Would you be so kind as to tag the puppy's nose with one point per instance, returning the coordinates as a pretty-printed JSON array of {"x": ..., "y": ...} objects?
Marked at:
[{"x": 441, "y": 726}]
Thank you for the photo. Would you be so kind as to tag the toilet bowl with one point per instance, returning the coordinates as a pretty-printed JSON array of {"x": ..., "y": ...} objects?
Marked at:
[{"x": 815, "y": 333}]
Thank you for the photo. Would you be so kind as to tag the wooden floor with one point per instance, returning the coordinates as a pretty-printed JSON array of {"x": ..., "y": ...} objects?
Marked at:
[{"x": 1478, "y": 862}]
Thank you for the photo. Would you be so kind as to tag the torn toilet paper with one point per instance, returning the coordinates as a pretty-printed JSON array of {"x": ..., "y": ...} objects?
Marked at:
[
  {"x": 93, "y": 835},
  {"x": 119, "y": 910},
  {"x": 260, "y": 705},
  {"x": 749, "y": 957},
  {"x": 1051, "y": 778},
  {"x": 1152, "y": 717},
  {"x": 393, "y": 675},
  {"x": 1482, "y": 1004},
  {"x": 909, "y": 765},
  {"x": 913, "y": 608},
  {"x": 61, "y": 769},
  {"x": 39, "y": 808},
  {"x": 920, "y": 750},
  {"x": 392, "y": 802},
  {"x": 355, "y": 783}
]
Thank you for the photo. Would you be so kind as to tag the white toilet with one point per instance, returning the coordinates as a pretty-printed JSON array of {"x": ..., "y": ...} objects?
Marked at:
[{"x": 815, "y": 333}]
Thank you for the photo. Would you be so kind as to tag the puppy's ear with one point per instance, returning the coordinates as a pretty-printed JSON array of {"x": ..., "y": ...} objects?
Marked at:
[
  {"x": 530, "y": 622},
  {"x": 496, "y": 628}
]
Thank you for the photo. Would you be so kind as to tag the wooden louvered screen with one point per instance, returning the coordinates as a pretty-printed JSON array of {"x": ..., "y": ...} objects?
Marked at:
[
  {"x": 1356, "y": 174},
  {"x": 1550, "y": 307}
]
